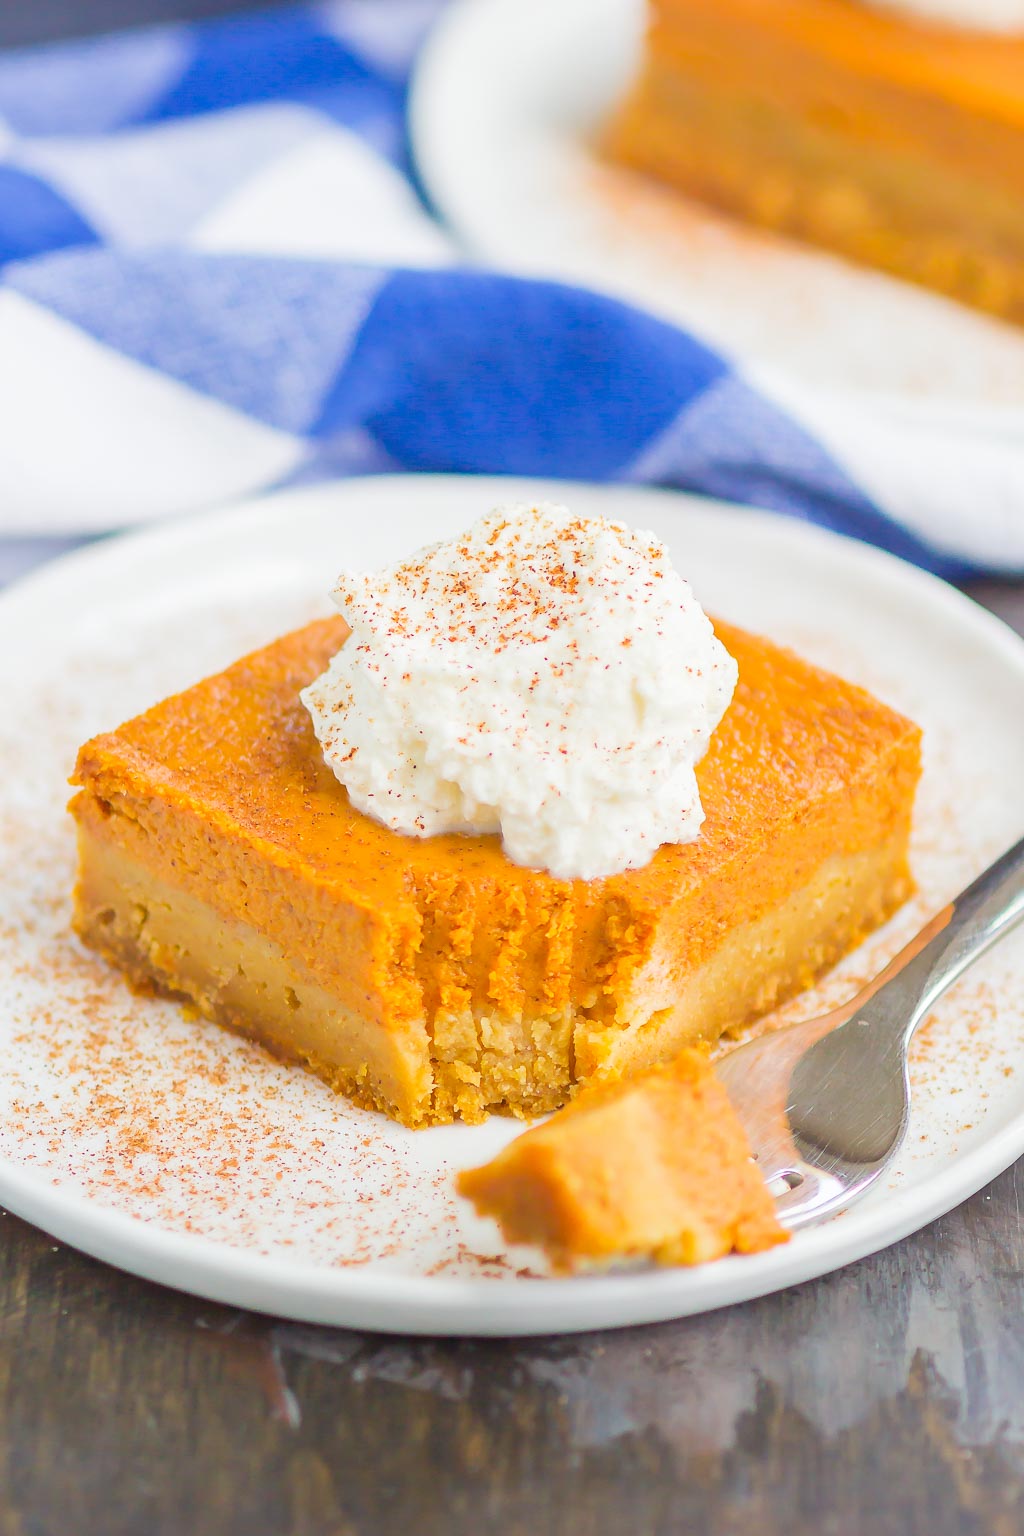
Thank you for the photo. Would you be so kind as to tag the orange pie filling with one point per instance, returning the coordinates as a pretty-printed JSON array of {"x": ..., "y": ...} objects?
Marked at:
[
  {"x": 655, "y": 1167},
  {"x": 222, "y": 863}
]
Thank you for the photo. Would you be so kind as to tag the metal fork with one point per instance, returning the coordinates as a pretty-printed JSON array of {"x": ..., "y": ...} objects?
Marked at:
[{"x": 826, "y": 1102}]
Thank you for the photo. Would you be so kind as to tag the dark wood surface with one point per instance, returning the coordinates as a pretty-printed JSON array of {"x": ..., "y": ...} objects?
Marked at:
[{"x": 885, "y": 1400}]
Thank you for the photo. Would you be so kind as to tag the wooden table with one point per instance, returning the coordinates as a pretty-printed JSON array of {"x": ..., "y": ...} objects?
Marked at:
[{"x": 886, "y": 1400}]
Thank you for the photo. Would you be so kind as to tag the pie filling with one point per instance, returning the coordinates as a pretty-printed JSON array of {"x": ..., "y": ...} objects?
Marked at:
[{"x": 653, "y": 1167}]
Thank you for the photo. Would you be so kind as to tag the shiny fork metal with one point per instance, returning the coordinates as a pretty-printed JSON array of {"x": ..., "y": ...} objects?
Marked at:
[{"x": 826, "y": 1103}]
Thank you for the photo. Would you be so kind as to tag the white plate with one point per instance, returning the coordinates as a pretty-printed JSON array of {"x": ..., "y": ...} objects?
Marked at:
[
  {"x": 509, "y": 98},
  {"x": 183, "y": 1154}
]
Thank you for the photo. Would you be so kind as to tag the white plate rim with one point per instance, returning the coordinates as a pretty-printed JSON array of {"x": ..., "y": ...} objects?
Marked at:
[{"x": 442, "y": 1305}]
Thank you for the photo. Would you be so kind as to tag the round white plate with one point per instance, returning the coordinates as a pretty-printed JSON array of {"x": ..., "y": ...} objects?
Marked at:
[
  {"x": 188, "y": 1156},
  {"x": 509, "y": 101}
]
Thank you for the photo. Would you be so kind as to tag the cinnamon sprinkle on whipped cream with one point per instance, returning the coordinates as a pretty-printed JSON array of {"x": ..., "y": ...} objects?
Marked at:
[{"x": 546, "y": 677}]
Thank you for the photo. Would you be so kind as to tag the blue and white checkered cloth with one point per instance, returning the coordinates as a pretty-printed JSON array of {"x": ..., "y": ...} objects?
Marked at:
[{"x": 216, "y": 277}]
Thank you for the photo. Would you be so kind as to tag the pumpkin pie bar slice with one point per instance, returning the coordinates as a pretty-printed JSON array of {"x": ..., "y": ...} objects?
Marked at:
[
  {"x": 221, "y": 862},
  {"x": 653, "y": 1167},
  {"x": 889, "y": 139}
]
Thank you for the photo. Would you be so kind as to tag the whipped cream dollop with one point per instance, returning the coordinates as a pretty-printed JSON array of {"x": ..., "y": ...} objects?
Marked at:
[
  {"x": 544, "y": 676},
  {"x": 967, "y": 15}
]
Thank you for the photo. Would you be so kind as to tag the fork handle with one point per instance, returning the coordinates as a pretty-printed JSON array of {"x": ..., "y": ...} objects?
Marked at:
[{"x": 961, "y": 933}]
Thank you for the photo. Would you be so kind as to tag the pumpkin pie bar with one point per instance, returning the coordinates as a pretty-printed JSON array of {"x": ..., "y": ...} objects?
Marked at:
[
  {"x": 222, "y": 863},
  {"x": 884, "y": 137},
  {"x": 656, "y": 1166}
]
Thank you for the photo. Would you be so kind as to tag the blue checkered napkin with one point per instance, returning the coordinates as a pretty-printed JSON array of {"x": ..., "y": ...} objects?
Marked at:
[{"x": 216, "y": 277}]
